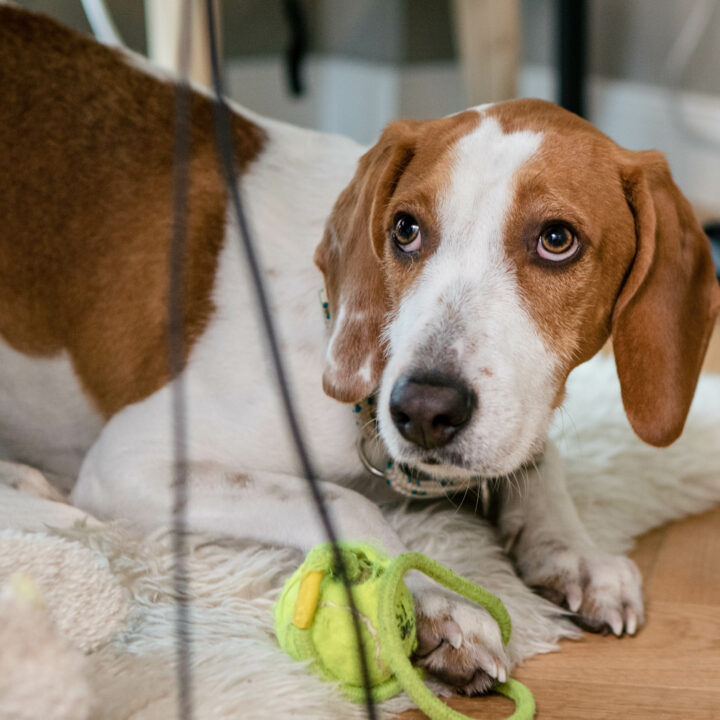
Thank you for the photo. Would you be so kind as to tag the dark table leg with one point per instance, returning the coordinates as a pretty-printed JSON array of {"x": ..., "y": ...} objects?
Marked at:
[{"x": 571, "y": 36}]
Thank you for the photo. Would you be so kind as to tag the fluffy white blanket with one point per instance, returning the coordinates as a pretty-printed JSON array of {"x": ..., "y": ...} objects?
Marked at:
[{"x": 622, "y": 488}]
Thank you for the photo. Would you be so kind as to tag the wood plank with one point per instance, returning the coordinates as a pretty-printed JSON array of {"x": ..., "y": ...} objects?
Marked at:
[
  {"x": 561, "y": 700},
  {"x": 564, "y": 700},
  {"x": 646, "y": 550},
  {"x": 688, "y": 563},
  {"x": 679, "y": 648},
  {"x": 493, "y": 707}
]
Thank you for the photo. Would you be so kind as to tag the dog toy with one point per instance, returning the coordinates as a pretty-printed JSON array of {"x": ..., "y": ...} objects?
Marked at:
[{"x": 313, "y": 622}]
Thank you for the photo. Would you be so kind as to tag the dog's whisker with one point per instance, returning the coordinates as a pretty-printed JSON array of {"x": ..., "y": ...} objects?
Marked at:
[
  {"x": 515, "y": 483},
  {"x": 448, "y": 497},
  {"x": 524, "y": 483},
  {"x": 463, "y": 499},
  {"x": 477, "y": 499}
]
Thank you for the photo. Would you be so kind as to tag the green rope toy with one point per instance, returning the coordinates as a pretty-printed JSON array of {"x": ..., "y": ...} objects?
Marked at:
[{"x": 313, "y": 622}]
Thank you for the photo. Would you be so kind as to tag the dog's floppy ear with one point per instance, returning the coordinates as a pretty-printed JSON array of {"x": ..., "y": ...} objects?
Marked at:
[
  {"x": 350, "y": 256},
  {"x": 664, "y": 314}
]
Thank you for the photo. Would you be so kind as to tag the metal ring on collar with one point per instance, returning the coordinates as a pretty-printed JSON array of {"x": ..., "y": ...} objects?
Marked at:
[{"x": 365, "y": 460}]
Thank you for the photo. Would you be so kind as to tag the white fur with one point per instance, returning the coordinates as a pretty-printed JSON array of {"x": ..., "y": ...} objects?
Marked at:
[
  {"x": 339, "y": 322},
  {"x": 365, "y": 371},
  {"x": 543, "y": 530},
  {"x": 42, "y": 398}
]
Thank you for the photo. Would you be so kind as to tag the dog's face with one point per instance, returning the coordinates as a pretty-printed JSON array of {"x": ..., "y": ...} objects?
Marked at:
[{"x": 474, "y": 261}]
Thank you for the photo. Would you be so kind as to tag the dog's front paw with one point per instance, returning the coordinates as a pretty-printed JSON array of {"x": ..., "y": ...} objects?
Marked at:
[
  {"x": 459, "y": 642},
  {"x": 604, "y": 591}
]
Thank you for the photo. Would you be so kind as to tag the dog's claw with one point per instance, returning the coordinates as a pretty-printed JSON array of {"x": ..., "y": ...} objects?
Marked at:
[
  {"x": 454, "y": 636},
  {"x": 604, "y": 592},
  {"x": 631, "y": 621},
  {"x": 574, "y": 597},
  {"x": 616, "y": 622}
]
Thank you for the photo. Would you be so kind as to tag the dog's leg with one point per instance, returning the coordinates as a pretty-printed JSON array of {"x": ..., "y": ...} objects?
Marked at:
[
  {"x": 458, "y": 642},
  {"x": 555, "y": 555},
  {"x": 29, "y": 480},
  {"x": 270, "y": 508}
]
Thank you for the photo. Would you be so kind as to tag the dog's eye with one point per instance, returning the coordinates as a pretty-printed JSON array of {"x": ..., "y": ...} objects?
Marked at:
[
  {"x": 406, "y": 233},
  {"x": 557, "y": 243}
]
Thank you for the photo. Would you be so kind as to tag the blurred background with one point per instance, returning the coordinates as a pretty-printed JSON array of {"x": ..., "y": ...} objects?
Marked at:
[{"x": 647, "y": 72}]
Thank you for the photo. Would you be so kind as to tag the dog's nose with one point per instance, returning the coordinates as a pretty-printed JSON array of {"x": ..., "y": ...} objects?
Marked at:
[{"x": 429, "y": 411}]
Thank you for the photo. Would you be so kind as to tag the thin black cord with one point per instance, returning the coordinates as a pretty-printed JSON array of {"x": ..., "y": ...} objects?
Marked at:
[
  {"x": 226, "y": 154},
  {"x": 176, "y": 358}
]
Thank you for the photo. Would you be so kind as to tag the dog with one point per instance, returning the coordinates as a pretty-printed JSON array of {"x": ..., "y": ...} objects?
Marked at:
[{"x": 470, "y": 263}]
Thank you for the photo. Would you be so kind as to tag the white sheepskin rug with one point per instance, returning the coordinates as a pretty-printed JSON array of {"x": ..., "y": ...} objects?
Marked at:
[{"x": 622, "y": 488}]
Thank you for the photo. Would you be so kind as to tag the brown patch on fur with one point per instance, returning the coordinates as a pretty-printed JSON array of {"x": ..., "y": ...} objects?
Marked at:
[
  {"x": 665, "y": 314},
  {"x": 279, "y": 492},
  {"x": 573, "y": 178},
  {"x": 242, "y": 480},
  {"x": 645, "y": 271},
  {"x": 404, "y": 171},
  {"x": 86, "y": 161}
]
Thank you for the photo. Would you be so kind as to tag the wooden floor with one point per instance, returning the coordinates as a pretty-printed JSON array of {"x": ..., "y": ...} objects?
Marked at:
[{"x": 670, "y": 670}]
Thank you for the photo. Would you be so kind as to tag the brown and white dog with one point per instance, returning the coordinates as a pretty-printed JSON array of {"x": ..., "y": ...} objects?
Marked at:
[{"x": 470, "y": 262}]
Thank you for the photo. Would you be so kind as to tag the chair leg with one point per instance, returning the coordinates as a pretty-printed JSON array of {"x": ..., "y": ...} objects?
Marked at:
[
  {"x": 163, "y": 23},
  {"x": 488, "y": 34}
]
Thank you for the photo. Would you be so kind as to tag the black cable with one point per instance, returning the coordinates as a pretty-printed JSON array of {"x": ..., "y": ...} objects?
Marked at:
[
  {"x": 176, "y": 361},
  {"x": 226, "y": 154}
]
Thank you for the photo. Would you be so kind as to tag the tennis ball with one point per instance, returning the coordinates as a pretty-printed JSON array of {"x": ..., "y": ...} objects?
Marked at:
[
  {"x": 313, "y": 618},
  {"x": 313, "y": 622}
]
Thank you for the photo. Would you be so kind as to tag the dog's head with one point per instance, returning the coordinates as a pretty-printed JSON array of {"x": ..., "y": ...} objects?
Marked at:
[{"x": 474, "y": 261}]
